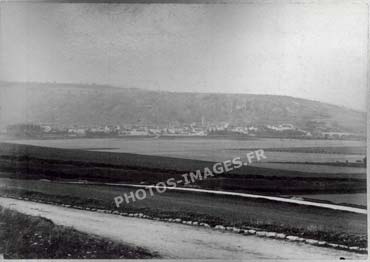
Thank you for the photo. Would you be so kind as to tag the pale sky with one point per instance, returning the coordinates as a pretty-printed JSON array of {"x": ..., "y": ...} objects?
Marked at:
[{"x": 313, "y": 51}]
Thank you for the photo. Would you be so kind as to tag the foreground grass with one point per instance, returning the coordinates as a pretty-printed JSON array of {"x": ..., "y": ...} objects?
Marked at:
[{"x": 28, "y": 237}]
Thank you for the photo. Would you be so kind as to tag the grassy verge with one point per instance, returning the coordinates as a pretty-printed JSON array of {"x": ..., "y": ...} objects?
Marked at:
[{"x": 28, "y": 237}]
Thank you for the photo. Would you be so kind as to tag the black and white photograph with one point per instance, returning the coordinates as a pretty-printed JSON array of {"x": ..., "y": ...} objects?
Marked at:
[{"x": 203, "y": 130}]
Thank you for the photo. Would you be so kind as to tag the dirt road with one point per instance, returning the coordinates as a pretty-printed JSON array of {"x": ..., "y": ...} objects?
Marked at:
[{"x": 176, "y": 240}]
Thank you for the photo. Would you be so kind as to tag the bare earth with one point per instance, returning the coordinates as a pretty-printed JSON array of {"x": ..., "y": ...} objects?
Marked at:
[{"x": 176, "y": 240}]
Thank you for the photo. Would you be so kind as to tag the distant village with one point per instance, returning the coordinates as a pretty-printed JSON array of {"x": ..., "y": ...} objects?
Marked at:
[{"x": 186, "y": 130}]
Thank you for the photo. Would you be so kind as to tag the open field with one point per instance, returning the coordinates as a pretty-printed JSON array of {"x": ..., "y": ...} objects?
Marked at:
[
  {"x": 310, "y": 222},
  {"x": 221, "y": 149},
  {"x": 142, "y": 144},
  {"x": 323, "y": 149},
  {"x": 30, "y": 162},
  {"x": 23, "y": 166},
  {"x": 313, "y": 168},
  {"x": 359, "y": 198},
  {"x": 84, "y": 159},
  {"x": 31, "y": 237}
]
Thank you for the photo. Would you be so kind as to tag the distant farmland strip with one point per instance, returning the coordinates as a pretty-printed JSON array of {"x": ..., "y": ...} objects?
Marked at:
[
  {"x": 346, "y": 150},
  {"x": 32, "y": 162},
  {"x": 29, "y": 157}
]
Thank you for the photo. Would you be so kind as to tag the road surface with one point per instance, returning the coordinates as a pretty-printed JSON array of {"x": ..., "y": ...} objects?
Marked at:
[{"x": 176, "y": 240}]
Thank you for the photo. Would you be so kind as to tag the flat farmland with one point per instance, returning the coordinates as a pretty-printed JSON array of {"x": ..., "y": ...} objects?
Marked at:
[
  {"x": 142, "y": 145},
  {"x": 320, "y": 169},
  {"x": 23, "y": 166},
  {"x": 359, "y": 198},
  {"x": 34, "y": 162},
  {"x": 125, "y": 167},
  {"x": 289, "y": 218},
  {"x": 327, "y": 149},
  {"x": 212, "y": 149}
]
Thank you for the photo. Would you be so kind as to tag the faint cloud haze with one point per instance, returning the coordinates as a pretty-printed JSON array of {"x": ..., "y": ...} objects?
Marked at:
[{"x": 311, "y": 51}]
